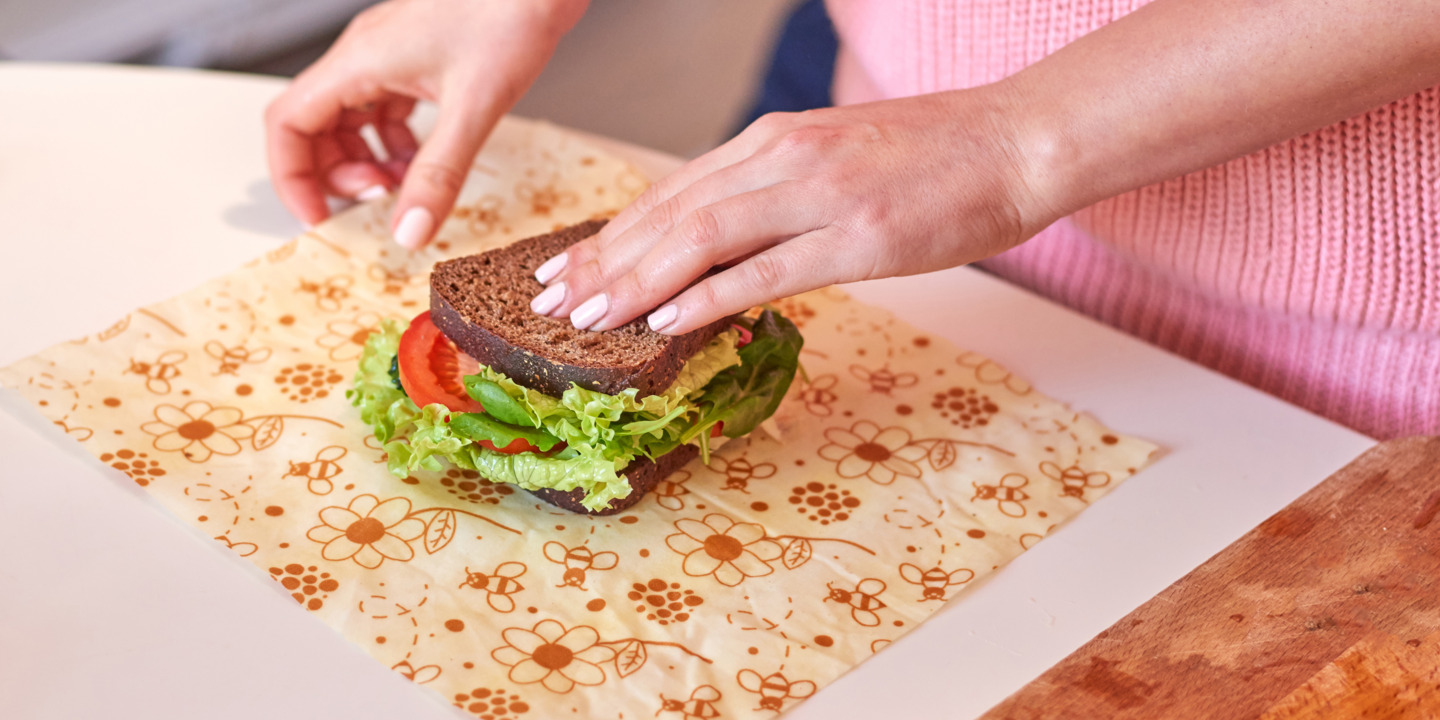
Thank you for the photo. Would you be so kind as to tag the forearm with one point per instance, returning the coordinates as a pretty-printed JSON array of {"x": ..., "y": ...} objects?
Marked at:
[{"x": 1181, "y": 85}]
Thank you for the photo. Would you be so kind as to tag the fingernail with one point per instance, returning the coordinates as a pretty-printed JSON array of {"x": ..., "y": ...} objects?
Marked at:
[
  {"x": 589, "y": 311},
  {"x": 549, "y": 299},
  {"x": 663, "y": 318},
  {"x": 552, "y": 267},
  {"x": 414, "y": 228},
  {"x": 374, "y": 192}
]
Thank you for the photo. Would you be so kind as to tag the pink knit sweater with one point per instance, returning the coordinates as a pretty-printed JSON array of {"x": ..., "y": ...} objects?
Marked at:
[{"x": 1310, "y": 270}]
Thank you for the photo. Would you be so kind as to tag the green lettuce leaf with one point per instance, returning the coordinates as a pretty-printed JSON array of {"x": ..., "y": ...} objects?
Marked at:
[{"x": 603, "y": 433}]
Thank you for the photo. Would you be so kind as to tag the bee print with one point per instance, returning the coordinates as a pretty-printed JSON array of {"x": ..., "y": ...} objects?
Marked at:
[
  {"x": 498, "y": 586},
  {"x": 1007, "y": 493},
  {"x": 884, "y": 381},
  {"x": 935, "y": 581},
  {"x": 1073, "y": 480},
  {"x": 863, "y": 600},
  {"x": 159, "y": 373},
  {"x": 318, "y": 472},
  {"x": 670, "y": 492},
  {"x": 330, "y": 293},
  {"x": 577, "y": 561},
  {"x": 232, "y": 358},
  {"x": 774, "y": 689},
  {"x": 700, "y": 706}
]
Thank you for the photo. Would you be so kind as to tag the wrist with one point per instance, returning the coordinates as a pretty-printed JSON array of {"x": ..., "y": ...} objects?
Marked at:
[{"x": 1048, "y": 182}]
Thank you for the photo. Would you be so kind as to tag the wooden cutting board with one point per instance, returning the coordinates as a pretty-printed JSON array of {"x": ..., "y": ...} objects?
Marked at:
[{"x": 1329, "y": 609}]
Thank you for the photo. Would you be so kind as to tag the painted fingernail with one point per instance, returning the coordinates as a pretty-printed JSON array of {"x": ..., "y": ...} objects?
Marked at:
[
  {"x": 374, "y": 192},
  {"x": 552, "y": 267},
  {"x": 589, "y": 311},
  {"x": 414, "y": 227},
  {"x": 549, "y": 299},
  {"x": 663, "y": 318}
]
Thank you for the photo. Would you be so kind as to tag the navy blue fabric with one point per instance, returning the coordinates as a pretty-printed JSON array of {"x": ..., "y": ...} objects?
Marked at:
[{"x": 802, "y": 66}]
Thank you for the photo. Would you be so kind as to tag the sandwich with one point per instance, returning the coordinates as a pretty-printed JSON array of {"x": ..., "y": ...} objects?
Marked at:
[{"x": 587, "y": 421}]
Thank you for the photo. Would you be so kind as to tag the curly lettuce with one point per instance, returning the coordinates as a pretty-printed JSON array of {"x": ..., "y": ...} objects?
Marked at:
[{"x": 601, "y": 433}]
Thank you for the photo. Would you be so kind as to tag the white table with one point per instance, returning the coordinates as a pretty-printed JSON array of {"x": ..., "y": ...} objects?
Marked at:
[{"x": 120, "y": 187}]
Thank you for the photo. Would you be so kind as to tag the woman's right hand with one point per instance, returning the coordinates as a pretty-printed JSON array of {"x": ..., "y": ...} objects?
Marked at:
[{"x": 473, "y": 58}]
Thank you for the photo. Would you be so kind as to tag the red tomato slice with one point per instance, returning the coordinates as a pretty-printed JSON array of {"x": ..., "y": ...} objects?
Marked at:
[
  {"x": 432, "y": 368},
  {"x": 516, "y": 446}
]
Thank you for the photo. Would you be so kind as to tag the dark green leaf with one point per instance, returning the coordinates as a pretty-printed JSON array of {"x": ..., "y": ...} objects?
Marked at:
[
  {"x": 498, "y": 403},
  {"x": 481, "y": 426}
]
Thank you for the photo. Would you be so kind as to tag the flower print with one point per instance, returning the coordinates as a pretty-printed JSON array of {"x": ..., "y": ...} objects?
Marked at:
[
  {"x": 555, "y": 657},
  {"x": 867, "y": 450},
  {"x": 198, "y": 430},
  {"x": 721, "y": 547},
  {"x": 346, "y": 338},
  {"x": 368, "y": 531}
]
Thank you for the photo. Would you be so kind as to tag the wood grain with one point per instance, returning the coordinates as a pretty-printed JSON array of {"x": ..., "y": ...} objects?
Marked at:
[{"x": 1330, "y": 608}]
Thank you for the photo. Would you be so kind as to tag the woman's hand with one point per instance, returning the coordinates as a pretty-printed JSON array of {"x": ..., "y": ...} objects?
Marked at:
[
  {"x": 474, "y": 58},
  {"x": 800, "y": 201}
]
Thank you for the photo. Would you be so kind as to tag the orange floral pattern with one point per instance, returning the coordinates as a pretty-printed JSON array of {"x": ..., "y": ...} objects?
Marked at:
[
  {"x": 553, "y": 656},
  {"x": 866, "y": 450},
  {"x": 368, "y": 531},
  {"x": 198, "y": 430},
  {"x": 723, "y": 548},
  {"x": 511, "y": 609},
  {"x": 344, "y": 339}
]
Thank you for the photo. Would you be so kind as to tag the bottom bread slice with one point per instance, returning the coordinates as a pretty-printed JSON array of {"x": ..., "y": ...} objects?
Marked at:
[{"x": 644, "y": 474}]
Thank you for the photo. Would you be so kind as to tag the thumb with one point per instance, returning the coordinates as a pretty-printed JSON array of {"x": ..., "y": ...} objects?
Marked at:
[{"x": 436, "y": 174}]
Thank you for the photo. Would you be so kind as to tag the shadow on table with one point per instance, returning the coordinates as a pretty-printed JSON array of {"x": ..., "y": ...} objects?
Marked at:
[{"x": 262, "y": 212}]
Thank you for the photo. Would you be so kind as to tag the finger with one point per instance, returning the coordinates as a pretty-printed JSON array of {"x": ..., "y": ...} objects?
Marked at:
[
  {"x": 347, "y": 132},
  {"x": 291, "y": 157},
  {"x": 306, "y": 111},
  {"x": 804, "y": 263},
  {"x": 436, "y": 175},
  {"x": 737, "y": 227},
  {"x": 356, "y": 174},
  {"x": 731, "y": 152},
  {"x": 391, "y": 124},
  {"x": 591, "y": 266}
]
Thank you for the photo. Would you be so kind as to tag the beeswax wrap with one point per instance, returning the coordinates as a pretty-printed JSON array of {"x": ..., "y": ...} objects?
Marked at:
[{"x": 901, "y": 470}]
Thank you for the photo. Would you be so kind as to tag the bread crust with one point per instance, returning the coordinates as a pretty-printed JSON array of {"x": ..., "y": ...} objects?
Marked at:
[
  {"x": 644, "y": 474},
  {"x": 494, "y": 325}
]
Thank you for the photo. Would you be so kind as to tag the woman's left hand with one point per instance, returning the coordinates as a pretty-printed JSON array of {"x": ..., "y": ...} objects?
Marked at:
[{"x": 800, "y": 201}]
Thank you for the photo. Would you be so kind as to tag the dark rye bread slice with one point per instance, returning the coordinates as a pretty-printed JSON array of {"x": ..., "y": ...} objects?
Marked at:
[
  {"x": 644, "y": 474},
  {"x": 482, "y": 303}
]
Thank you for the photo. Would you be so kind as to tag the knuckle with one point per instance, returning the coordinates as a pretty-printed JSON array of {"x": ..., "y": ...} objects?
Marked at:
[
  {"x": 702, "y": 298},
  {"x": 805, "y": 140},
  {"x": 663, "y": 216},
  {"x": 648, "y": 199},
  {"x": 700, "y": 231},
  {"x": 766, "y": 273},
  {"x": 772, "y": 123},
  {"x": 637, "y": 287},
  {"x": 438, "y": 177}
]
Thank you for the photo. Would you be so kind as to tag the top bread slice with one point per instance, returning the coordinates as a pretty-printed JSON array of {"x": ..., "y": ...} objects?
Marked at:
[{"x": 482, "y": 303}]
